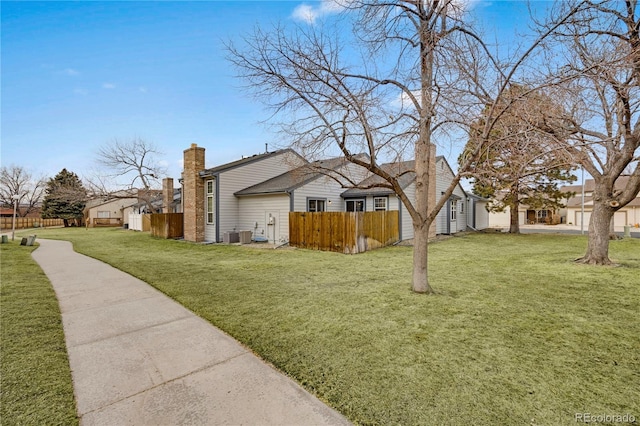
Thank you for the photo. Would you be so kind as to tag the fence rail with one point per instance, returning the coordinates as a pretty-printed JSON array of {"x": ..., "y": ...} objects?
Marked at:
[
  {"x": 104, "y": 221},
  {"x": 167, "y": 225},
  {"x": 29, "y": 222},
  {"x": 344, "y": 232}
]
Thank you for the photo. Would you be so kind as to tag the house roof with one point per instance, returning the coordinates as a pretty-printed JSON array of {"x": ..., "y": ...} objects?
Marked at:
[
  {"x": 477, "y": 197},
  {"x": 589, "y": 185},
  {"x": 576, "y": 201},
  {"x": 403, "y": 169},
  {"x": 244, "y": 161},
  {"x": 292, "y": 179},
  {"x": 102, "y": 202}
]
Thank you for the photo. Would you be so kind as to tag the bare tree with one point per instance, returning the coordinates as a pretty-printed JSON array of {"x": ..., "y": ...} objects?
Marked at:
[
  {"x": 16, "y": 180},
  {"x": 133, "y": 170},
  {"x": 412, "y": 74},
  {"x": 600, "y": 86}
]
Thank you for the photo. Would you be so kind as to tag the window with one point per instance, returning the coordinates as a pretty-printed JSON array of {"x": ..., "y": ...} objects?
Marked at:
[
  {"x": 461, "y": 207},
  {"x": 355, "y": 205},
  {"x": 542, "y": 214},
  {"x": 210, "y": 212},
  {"x": 103, "y": 215},
  {"x": 316, "y": 205},
  {"x": 379, "y": 203},
  {"x": 454, "y": 210}
]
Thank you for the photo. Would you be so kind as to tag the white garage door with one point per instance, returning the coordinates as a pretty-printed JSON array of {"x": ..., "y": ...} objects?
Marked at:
[
  {"x": 587, "y": 217},
  {"x": 619, "y": 218}
]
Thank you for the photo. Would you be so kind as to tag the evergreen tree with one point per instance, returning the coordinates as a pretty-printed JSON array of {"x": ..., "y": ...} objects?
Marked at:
[
  {"x": 65, "y": 197},
  {"x": 521, "y": 164}
]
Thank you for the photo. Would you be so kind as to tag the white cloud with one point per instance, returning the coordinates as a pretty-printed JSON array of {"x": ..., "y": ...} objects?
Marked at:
[
  {"x": 142, "y": 89},
  {"x": 108, "y": 86},
  {"x": 70, "y": 72},
  {"x": 81, "y": 91},
  {"x": 460, "y": 7},
  {"x": 403, "y": 100},
  {"x": 309, "y": 14}
]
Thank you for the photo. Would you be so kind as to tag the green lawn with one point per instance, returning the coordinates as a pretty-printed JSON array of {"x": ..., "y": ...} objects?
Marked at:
[
  {"x": 34, "y": 368},
  {"x": 518, "y": 333}
]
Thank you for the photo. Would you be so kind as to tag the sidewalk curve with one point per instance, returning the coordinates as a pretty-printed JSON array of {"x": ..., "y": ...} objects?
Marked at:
[{"x": 139, "y": 358}]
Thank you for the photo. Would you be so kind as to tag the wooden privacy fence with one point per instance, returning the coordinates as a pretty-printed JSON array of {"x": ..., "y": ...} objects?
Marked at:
[
  {"x": 167, "y": 225},
  {"x": 344, "y": 232},
  {"x": 29, "y": 222}
]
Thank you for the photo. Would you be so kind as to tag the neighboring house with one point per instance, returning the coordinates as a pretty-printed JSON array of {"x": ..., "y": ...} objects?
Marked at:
[
  {"x": 526, "y": 215},
  {"x": 313, "y": 187},
  {"x": 503, "y": 219},
  {"x": 108, "y": 211},
  {"x": 36, "y": 212},
  {"x": 257, "y": 193},
  {"x": 375, "y": 198},
  {"x": 477, "y": 213},
  {"x": 452, "y": 218},
  {"x": 210, "y": 206},
  {"x": 627, "y": 215}
]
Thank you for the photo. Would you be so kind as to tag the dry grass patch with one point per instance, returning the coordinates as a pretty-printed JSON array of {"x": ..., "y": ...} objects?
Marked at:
[{"x": 518, "y": 333}]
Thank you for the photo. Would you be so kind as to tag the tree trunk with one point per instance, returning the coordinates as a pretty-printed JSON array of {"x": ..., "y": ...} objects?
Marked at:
[
  {"x": 423, "y": 160},
  {"x": 599, "y": 227},
  {"x": 420, "y": 278},
  {"x": 514, "y": 223}
]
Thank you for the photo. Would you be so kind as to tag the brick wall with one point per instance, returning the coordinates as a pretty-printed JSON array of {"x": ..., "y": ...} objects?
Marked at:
[
  {"x": 193, "y": 194},
  {"x": 167, "y": 195}
]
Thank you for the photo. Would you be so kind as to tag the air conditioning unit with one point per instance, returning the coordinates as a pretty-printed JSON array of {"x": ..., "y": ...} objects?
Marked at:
[
  {"x": 230, "y": 237},
  {"x": 245, "y": 237}
]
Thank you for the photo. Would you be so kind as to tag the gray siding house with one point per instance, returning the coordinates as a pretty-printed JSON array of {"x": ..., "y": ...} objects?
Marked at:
[
  {"x": 451, "y": 219},
  {"x": 313, "y": 187},
  {"x": 453, "y": 216},
  {"x": 257, "y": 193}
]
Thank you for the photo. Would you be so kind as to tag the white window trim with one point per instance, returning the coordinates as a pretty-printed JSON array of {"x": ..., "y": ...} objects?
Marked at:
[
  {"x": 386, "y": 204},
  {"x": 210, "y": 201}
]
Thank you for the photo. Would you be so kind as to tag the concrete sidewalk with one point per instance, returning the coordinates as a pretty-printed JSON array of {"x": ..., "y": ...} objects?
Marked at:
[{"x": 139, "y": 358}]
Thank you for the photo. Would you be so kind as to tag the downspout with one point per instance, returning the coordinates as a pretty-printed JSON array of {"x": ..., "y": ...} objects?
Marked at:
[
  {"x": 473, "y": 217},
  {"x": 448, "y": 216},
  {"x": 217, "y": 207},
  {"x": 399, "y": 219}
]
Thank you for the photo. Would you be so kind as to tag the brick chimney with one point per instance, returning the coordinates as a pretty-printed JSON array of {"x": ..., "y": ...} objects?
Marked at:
[
  {"x": 193, "y": 194},
  {"x": 167, "y": 195}
]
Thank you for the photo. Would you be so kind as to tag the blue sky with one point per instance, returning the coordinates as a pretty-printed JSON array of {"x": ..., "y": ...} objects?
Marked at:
[{"x": 77, "y": 75}]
